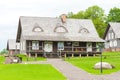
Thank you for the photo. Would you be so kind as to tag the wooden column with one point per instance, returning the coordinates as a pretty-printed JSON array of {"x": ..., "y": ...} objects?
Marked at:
[
  {"x": 87, "y": 55},
  {"x": 72, "y": 54},
  {"x": 35, "y": 55},
  {"x": 29, "y": 55},
  {"x": 65, "y": 55},
  {"x": 79, "y": 55}
]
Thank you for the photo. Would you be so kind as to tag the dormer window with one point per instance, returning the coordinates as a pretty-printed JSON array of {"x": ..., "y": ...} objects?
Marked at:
[
  {"x": 60, "y": 29},
  {"x": 83, "y": 30},
  {"x": 37, "y": 28}
]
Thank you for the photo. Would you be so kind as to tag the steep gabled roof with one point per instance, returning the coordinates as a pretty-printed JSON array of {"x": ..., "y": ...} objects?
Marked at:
[
  {"x": 115, "y": 27},
  {"x": 12, "y": 45},
  {"x": 68, "y": 31}
]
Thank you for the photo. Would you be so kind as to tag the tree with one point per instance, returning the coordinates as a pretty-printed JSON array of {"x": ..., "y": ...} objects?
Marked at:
[
  {"x": 96, "y": 14},
  {"x": 4, "y": 51},
  {"x": 79, "y": 15},
  {"x": 114, "y": 15}
]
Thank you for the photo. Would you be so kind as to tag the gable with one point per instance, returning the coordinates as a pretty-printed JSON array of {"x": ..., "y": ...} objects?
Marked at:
[{"x": 113, "y": 27}]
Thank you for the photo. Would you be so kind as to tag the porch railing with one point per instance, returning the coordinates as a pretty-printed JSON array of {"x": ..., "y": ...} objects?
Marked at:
[{"x": 66, "y": 49}]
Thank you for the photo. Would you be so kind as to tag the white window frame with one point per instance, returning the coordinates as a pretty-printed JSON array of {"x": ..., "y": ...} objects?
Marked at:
[{"x": 35, "y": 45}]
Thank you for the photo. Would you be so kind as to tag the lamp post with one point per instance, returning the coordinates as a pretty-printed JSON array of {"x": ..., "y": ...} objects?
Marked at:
[{"x": 101, "y": 46}]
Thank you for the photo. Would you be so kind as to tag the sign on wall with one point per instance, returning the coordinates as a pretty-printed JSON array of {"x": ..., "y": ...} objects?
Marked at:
[{"x": 48, "y": 46}]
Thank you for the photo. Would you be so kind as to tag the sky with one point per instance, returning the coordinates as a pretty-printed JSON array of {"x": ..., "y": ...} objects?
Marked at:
[{"x": 11, "y": 10}]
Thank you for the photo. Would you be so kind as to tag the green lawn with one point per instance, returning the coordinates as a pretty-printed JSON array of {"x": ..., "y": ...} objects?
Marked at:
[
  {"x": 24, "y": 58},
  {"x": 87, "y": 63},
  {"x": 29, "y": 72}
]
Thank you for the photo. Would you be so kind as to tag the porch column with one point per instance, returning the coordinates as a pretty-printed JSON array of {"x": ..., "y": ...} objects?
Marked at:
[
  {"x": 29, "y": 55},
  {"x": 65, "y": 55},
  {"x": 94, "y": 55},
  {"x": 79, "y": 55},
  {"x": 87, "y": 55},
  {"x": 72, "y": 54},
  {"x": 35, "y": 55}
]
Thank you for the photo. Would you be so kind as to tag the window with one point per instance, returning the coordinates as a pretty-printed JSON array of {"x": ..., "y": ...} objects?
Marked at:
[
  {"x": 115, "y": 43},
  {"x": 37, "y": 28},
  {"x": 112, "y": 35},
  {"x": 60, "y": 45},
  {"x": 109, "y": 36},
  {"x": 35, "y": 45},
  {"x": 75, "y": 43},
  {"x": 60, "y": 29},
  {"x": 83, "y": 30},
  {"x": 111, "y": 44}
]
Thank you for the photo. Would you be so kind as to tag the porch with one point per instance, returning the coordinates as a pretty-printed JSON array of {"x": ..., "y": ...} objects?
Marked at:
[{"x": 61, "y": 49}]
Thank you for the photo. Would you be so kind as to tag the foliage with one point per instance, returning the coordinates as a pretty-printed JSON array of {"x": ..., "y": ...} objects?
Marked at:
[
  {"x": 25, "y": 58},
  {"x": 87, "y": 63},
  {"x": 114, "y": 15},
  {"x": 29, "y": 72},
  {"x": 4, "y": 51},
  {"x": 96, "y": 14},
  {"x": 2, "y": 59}
]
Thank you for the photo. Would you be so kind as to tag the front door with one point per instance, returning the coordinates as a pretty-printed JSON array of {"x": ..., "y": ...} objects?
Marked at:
[
  {"x": 89, "y": 47},
  {"x": 48, "y": 46}
]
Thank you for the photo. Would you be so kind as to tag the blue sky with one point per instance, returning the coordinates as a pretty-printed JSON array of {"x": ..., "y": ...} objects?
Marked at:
[{"x": 11, "y": 10}]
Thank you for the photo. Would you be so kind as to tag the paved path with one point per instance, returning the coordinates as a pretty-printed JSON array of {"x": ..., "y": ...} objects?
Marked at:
[{"x": 73, "y": 73}]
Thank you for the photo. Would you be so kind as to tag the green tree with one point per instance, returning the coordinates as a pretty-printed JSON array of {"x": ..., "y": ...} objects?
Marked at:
[
  {"x": 4, "y": 51},
  {"x": 79, "y": 15},
  {"x": 96, "y": 14},
  {"x": 114, "y": 15}
]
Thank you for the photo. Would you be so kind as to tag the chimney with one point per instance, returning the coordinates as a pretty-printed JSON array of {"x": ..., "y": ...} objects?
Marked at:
[{"x": 63, "y": 18}]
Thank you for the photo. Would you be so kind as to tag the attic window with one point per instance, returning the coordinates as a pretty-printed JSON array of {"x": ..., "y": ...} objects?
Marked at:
[
  {"x": 83, "y": 30},
  {"x": 60, "y": 29},
  {"x": 37, "y": 28}
]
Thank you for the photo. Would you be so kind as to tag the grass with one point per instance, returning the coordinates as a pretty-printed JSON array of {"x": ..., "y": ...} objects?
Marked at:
[
  {"x": 87, "y": 63},
  {"x": 2, "y": 59},
  {"x": 29, "y": 72},
  {"x": 25, "y": 58}
]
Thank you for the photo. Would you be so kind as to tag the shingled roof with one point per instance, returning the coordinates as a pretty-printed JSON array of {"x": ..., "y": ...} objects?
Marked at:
[
  {"x": 115, "y": 27},
  {"x": 53, "y": 29},
  {"x": 12, "y": 45}
]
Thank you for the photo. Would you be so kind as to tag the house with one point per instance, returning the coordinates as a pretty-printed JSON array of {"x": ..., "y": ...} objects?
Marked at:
[
  {"x": 112, "y": 37},
  {"x": 42, "y": 36},
  {"x": 13, "y": 47}
]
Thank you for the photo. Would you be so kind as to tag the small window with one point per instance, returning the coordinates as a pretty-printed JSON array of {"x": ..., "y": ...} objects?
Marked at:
[
  {"x": 115, "y": 43},
  {"x": 37, "y": 28},
  {"x": 83, "y": 30},
  {"x": 60, "y": 45},
  {"x": 60, "y": 29},
  {"x": 35, "y": 45}
]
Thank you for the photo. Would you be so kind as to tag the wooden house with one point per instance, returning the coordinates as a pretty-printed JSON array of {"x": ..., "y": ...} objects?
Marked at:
[
  {"x": 13, "y": 47},
  {"x": 43, "y": 36},
  {"x": 112, "y": 37}
]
